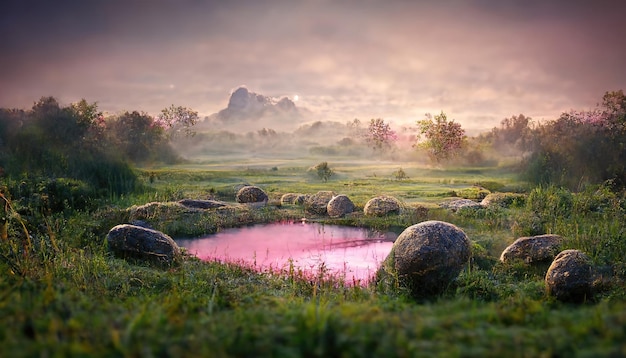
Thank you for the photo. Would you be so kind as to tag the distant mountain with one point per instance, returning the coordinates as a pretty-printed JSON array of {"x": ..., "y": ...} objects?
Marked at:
[{"x": 245, "y": 105}]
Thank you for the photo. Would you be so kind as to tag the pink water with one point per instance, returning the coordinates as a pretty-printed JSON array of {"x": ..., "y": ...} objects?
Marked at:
[{"x": 351, "y": 253}]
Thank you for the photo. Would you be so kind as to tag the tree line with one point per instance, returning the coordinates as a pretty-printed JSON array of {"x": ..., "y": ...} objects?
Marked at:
[{"x": 78, "y": 142}]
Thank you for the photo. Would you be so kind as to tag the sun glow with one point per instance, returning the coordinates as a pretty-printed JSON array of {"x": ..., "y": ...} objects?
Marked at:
[{"x": 296, "y": 98}]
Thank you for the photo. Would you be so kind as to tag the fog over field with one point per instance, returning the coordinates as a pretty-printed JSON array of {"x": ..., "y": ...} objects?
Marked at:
[{"x": 254, "y": 125}]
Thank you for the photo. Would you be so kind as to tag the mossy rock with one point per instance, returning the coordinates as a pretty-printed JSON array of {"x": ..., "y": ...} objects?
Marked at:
[
  {"x": 251, "y": 194},
  {"x": 570, "y": 277},
  {"x": 533, "y": 249},
  {"x": 339, "y": 206},
  {"x": 382, "y": 206},
  {"x": 504, "y": 200},
  {"x": 317, "y": 203},
  {"x": 426, "y": 258},
  {"x": 143, "y": 244},
  {"x": 293, "y": 199}
]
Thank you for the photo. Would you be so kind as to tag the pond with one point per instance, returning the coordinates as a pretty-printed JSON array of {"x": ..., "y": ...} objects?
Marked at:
[{"x": 351, "y": 253}]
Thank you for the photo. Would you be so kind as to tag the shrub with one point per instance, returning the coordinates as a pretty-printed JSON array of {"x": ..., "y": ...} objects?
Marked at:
[{"x": 324, "y": 172}]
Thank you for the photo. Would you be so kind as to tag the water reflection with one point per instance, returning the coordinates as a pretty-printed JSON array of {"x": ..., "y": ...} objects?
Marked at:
[{"x": 350, "y": 252}]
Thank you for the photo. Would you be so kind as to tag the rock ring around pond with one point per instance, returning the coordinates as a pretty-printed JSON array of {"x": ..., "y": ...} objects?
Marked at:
[
  {"x": 140, "y": 243},
  {"x": 426, "y": 257}
]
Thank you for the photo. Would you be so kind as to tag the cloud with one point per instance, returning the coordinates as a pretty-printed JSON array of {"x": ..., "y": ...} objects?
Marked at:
[{"x": 479, "y": 61}]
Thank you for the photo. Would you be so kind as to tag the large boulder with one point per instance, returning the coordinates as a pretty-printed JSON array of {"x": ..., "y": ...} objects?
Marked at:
[
  {"x": 316, "y": 204},
  {"x": 427, "y": 257},
  {"x": 533, "y": 249},
  {"x": 381, "y": 206},
  {"x": 251, "y": 194},
  {"x": 136, "y": 242},
  {"x": 570, "y": 277},
  {"x": 293, "y": 198},
  {"x": 339, "y": 206}
]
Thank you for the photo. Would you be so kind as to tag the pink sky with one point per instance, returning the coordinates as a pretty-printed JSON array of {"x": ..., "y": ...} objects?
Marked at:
[{"x": 477, "y": 60}]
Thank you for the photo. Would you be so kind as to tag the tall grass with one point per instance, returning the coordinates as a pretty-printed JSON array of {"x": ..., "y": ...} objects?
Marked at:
[{"x": 66, "y": 295}]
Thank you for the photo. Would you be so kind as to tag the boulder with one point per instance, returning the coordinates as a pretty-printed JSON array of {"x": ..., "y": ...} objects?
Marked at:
[
  {"x": 293, "y": 198},
  {"x": 427, "y": 257},
  {"x": 339, "y": 206},
  {"x": 570, "y": 277},
  {"x": 201, "y": 204},
  {"x": 155, "y": 211},
  {"x": 136, "y": 242},
  {"x": 533, "y": 249},
  {"x": 251, "y": 194},
  {"x": 381, "y": 206},
  {"x": 457, "y": 204},
  {"x": 316, "y": 204}
]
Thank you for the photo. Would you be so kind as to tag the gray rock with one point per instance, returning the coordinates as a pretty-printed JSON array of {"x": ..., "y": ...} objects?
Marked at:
[
  {"x": 427, "y": 257},
  {"x": 316, "y": 204},
  {"x": 533, "y": 249},
  {"x": 339, "y": 206},
  {"x": 293, "y": 198},
  {"x": 457, "y": 204},
  {"x": 381, "y": 206},
  {"x": 135, "y": 242},
  {"x": 570, "y": 277},
  {"x": 201, "y": 204},
  {"x": 251, "y": 194}
]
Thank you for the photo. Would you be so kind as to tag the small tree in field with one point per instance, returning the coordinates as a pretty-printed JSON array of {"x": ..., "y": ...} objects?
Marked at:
[
  {"x": 323, "y": 171},
  {"x": 444, "y": 139},
  {"x": 178, "y": 119},
  {"x": 380, "y": 135}
]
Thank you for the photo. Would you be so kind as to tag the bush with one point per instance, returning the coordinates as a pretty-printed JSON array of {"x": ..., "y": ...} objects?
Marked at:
[{"x": 324, "y": 172}]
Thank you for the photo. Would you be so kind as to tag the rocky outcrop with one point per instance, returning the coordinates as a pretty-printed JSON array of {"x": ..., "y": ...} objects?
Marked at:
[
  {"x": 381, "y": 206},
  {"x": 251, "y": 194},
  {"x": 140, "y": 243},
  {"x": 245, "y": 105},
  {"x": 339, "y": 206},
  {"x": 570, "y": 277},
  {"x": 426, "y": 257},
  {"x": 317, "y": 203},
  {"x": 533, "y": 249}
]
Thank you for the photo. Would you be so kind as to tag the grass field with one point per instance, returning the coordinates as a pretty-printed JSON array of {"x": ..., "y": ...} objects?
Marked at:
[{"x": 68, "y": 296}]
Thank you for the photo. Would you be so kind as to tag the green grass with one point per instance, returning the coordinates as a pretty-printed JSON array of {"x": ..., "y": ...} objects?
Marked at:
[{"x": 68, "y": 296}]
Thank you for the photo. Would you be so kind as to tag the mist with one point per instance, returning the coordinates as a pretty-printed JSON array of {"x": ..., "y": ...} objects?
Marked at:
[{"x": 254, "y": 125}]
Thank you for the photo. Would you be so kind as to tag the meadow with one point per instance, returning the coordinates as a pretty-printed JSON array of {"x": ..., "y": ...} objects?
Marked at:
[{"x": 66, "y": 295}]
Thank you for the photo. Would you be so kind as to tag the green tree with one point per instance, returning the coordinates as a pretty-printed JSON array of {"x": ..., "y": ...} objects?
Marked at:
[
  {"x": 324, "y": 172},
  {"x": 138, "y": 136},
  {"x": 379, "y": 135},
  {"x": 581, "y": 147},
  {"x": 443, "y": 139},
  {"x": 513, "y": 134},
  {"x": 178, "y": 121}
]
